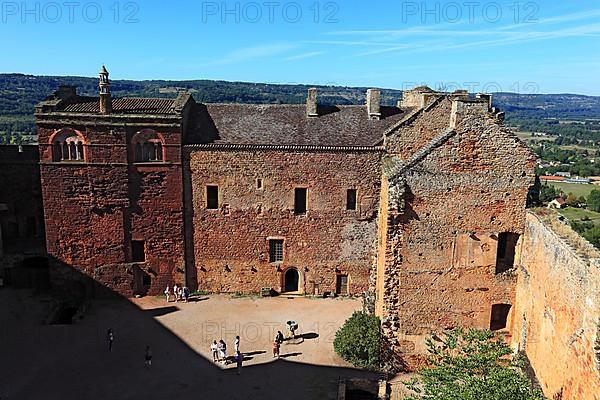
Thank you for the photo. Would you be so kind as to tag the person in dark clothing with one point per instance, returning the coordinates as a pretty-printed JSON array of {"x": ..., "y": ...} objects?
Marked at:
[{"x": 110, "y": 337}]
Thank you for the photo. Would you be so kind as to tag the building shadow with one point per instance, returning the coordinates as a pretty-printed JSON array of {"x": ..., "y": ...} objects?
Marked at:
[{"x": 73, "y": 361}]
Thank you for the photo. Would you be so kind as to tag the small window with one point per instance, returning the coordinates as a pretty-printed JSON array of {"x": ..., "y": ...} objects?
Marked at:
[
  {"x": 499, "y": 316},
  {"x": 351, "y": 199},
  {"x": 138, "y": 251},
  {"x": 300, "y": 201},
  {"x": 275, "y": 250},
  {"x": 341, "y": 285},
  {"x": 259, "y": 184},
  {"x": 212, "y": 197},
  {"x": 505, "y": 259}
]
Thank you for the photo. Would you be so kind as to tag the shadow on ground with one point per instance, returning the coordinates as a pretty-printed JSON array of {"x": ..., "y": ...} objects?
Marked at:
[{"x": 73, "y": 362}]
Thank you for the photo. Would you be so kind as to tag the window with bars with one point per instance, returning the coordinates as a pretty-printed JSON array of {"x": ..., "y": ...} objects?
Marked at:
[
  {"x": 67, "y": 146},
  {"x": 275, "y": 250},
  {"x": 151, "y": 151}
]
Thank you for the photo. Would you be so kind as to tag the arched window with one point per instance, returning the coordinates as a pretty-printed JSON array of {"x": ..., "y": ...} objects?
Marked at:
[
  {"x": 147, "y": 146},
  {"x": 67, "y": 145}
]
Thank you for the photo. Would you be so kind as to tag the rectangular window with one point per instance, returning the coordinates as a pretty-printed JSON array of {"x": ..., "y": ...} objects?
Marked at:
[
  {"x": 499, "y": 316},
  {"x": 300, "y": 201},
  {"x": 212, "y": 197},
  {"x": 505, "y": 259},
  {"x": 259, "y": 184},
  {"x": 138, "y": 251},
  {"x": 275, "y": 250},
  {"x": 351, "y": 199}
]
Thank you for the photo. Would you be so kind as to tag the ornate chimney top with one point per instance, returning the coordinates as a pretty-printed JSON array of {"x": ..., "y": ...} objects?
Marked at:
[{"x": 105, "y": 97}]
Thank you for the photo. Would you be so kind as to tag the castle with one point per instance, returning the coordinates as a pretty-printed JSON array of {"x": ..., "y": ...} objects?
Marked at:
[{"x": 420, "y": 207}]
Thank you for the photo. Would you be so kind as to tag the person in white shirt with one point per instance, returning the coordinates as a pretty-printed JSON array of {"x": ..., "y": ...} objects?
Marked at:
[
  {"x": 167, "y": 293},
  {"x": 214, "y": 349},
  {"x": 236, "y": 345}
]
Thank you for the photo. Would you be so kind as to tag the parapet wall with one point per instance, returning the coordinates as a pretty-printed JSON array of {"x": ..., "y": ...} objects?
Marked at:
[{"x": 557, "y": 315}]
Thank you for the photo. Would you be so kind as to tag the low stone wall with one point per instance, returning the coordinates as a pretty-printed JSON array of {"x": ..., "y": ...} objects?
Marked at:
[{"x": 557, "y": 317}]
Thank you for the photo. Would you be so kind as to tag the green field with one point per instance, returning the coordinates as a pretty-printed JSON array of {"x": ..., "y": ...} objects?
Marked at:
[
  {"x": 578, "y": 189},
  {"x": 576, "y": 214}
]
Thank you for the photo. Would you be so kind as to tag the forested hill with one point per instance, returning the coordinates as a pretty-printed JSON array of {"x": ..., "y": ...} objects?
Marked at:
[{"x": 19, "y": 93}]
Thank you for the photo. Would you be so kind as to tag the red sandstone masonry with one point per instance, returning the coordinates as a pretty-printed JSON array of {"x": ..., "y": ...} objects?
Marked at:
[
  {"x": 327, "y": 241},
  {"x": 94, "y": 209}
]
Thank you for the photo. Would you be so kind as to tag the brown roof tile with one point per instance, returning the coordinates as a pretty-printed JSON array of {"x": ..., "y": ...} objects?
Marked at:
[
  {"x": 288, "y": 125},
  {"x": 82, "y": 104}
]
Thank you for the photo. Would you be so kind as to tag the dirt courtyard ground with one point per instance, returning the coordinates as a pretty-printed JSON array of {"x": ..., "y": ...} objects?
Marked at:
[{"x": 72, "y": 361}]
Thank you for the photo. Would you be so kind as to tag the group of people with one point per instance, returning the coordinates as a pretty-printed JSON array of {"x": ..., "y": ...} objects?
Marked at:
[
  {"x": 219, "y": 353},
  {"x": 110, "y": 338},
  {"x": 179, "y": 293}
]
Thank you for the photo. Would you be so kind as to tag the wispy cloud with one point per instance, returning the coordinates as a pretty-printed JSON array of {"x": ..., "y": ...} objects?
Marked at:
[
  {"x": 252, "y": 53},
  {"x": 304, "y": 55}
]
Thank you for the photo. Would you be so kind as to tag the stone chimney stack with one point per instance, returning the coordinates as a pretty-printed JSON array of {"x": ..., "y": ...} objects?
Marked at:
[
  {"x": 311, "y": 103},
  {"x": 486, "y": 97},
  {"x": 374, "y": 103},
  {"x": 105, "y": 97},
  {"x": 66, "y": 91}
]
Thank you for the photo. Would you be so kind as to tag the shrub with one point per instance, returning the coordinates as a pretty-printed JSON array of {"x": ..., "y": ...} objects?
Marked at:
[{"x": 358, "y": 341}]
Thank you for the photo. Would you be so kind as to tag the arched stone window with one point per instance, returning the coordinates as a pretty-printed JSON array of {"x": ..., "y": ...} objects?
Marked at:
[
  {"x": 67, "y": 145},
  {"x": 147, "y": 146}
]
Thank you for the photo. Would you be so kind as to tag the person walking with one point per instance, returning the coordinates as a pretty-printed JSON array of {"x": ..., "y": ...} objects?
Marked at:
[
  {"x": 276, "y": 345},
  {"x": 223, "y": 351},
  {"x": 279, "y": 337},
  {"x": 110, "y": 337},
  {"x": 176, "y": 292},
  {"x": 236, "y": 345},
  {"x": 148, "y": 357},
  {"x": 239, "y": 359},
  {"x": 214, "y": 349},
  {"x": 186, "y": 293},
  {"x": 167, "y": 293}
]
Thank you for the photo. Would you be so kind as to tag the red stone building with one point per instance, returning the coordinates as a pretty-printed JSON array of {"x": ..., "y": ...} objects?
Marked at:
[{"x": 420, "y": 207}]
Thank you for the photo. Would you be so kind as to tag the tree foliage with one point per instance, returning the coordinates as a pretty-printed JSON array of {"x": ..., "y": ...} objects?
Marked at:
[
  {"x": 472, "y": 365},
  {"x": 593, "y": 200},
  {"x": 548, "y": 193},
  {"x": 358, "y": 341}
]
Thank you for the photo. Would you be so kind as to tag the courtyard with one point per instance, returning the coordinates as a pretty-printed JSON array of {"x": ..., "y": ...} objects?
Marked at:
[{"x": 73, "y": 361}]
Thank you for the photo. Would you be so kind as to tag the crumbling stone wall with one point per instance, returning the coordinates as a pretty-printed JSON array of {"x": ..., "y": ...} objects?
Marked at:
[
  {"x": 457, "y": 192},
  {"x": 557, "y": 313},
  {"x": 94, "y": 209},
  {"x": 231, "y": 247}
]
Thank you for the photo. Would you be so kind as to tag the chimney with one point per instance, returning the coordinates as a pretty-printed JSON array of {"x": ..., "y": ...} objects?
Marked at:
[
  {"x": 105, "y": 97},
  {"x": 374, "y": 103},
  {"x": 311, "y": 103},
  {"x": 66, "y": 91},
  {"x": 486, "y": 97}
]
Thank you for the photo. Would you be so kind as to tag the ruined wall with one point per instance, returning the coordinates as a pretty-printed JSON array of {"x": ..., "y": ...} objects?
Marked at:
[
  {"x": 21, "y": 212},
  {"x": 94, "y": 209},
  {"x": 557, "y": 315},
  {"x": 462, "y": 189},
  {"x": 231, "y": 247}
]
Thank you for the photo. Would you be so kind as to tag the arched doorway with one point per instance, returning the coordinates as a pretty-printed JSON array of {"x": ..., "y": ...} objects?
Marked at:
[{"x": 291, "y": 278}]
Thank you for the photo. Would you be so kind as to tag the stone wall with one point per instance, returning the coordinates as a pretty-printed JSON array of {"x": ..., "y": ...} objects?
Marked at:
[
  {"x": 21, "y": 212},
  {"x": 453, "y": 195},
  {"x": 231, "y": 243},
  {"x": 557, "y": 315},
  {"x": 94, "y": 209}
]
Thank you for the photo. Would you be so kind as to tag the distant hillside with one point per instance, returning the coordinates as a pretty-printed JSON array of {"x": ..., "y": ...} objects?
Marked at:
[{"x": 19, "y": 93}]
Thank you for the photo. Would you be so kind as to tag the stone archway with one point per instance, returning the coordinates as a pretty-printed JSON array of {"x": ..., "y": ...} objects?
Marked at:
[{"x": 291, "y": 280}]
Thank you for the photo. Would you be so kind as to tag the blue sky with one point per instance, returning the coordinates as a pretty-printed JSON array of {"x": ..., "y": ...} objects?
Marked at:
[{"x": 527, "y": 47}]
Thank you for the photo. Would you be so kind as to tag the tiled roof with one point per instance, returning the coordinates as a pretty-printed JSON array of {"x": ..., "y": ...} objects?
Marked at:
[
  {"x": 288, "y": 125},
  {"x": 82, "y": 104}
]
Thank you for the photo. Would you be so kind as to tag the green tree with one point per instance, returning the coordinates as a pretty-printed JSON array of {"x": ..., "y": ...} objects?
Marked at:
[
  {"x": 472, "y": 365},
  {"x": 548, "y": 193},
  {"x": 358, "y": 341},
  {"x": 593, "y": 200}
]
